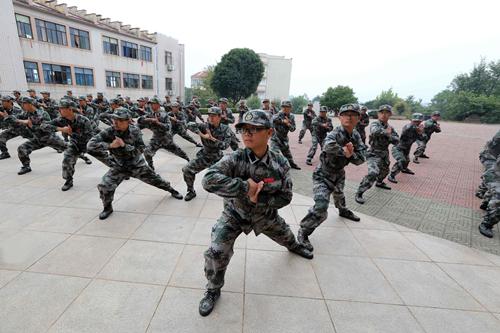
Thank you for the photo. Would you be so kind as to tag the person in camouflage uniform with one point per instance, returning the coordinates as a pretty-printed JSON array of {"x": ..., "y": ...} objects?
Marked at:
[
  {"x": 242, "y": 108},
  {"x": 178, "y": 119},
  {"x": 381, "y": 136},
  {"x": 106, "y": 116},
  {"x": 321, "y": 125},
  {"x": 488, "y": 157},
  {"x": 267, "y": 108},
  {"x": 284, "y": 122},
  {"x": 158, "y": 121},
  {"x": 430, "y": 126},
  {"x": 33, "y": 119},
  {"x": 215, "y": 137},
  {"x": 401, "y": 152},
  {"x": 140, "y": 108},
  {"x": 364, "y": 120},
  {"x": 32, "y": 95},
  {"x": 228, "y": 118},
  {"x": 7, "y": 110},
  {"x": 309, "y": 116},
  {"x": 17, "y": 97},
  {"x": 86, "y": 110},
  {"x": 255, "y": 182},
  {"x": 49, "y": 105},
  {"x": 342, "y": 146},
  {"x": 120, "y": 147},
  {"x": 492, "y": 216},
  {"x": 193, "y": 112},
  {"x": 80, "y": 129},
  {"x": 100, "y": 104}
]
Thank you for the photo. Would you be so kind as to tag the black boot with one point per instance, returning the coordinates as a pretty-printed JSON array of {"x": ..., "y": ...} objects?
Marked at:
[
  {"x": 4, "y": 155},
  {"x": 301, "y": 250},
  {"x": 308, "y": 162},
  {"x": 348, "y": 214},
  {"x": 485, "y": 230},
  {"x": 383, "y": 185},
  {"x": 86, "y": 159},
  {"x": 108, "y": 209},
  {"x": 208, "y": 301},
  {"x": 294, "y": 166},
  {"x": 67, "y": 185},
  {"x": 359, "y": 198},
  {"x": 484, "y": 205},
  {"x": 175, "y": 194},
  {"x": 415, "y": 160},
  {"x": 24, "y": 169},
  {"x": 300, "y": 141},
  {"x": 424, "y": 156},
  {"x": 408, "y": 171},
  {"x": 190, "y": 195},
  {"x": 199, "y": 145},
  {"x": 392, "y": 179},
  {"x": 303, "y": 239}
]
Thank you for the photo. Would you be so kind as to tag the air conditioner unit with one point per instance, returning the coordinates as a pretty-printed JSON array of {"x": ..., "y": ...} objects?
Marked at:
[
  {"x": 170, "y": 92},
  {"x": 170, "y": 68}
]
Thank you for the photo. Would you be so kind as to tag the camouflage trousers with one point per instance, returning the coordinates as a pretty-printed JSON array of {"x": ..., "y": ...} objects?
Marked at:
[
  {"x": 5, "y": 136},
  {"x": 323, "y": 186},
  {"x": 492, "y": 216},
  {"x": 167, "y": 144},
  {"x": 378, "y": 169},
  {"x": 402, "y": 157},
  {"x": 362, "y": 133},
  {"x": 115, "y": 175},
  {"x": 305, "y": 127},
  {"x": 25, "y": 149},
  {"x": 421, "y": 146},
  {"x": 224, "y": 234},
  {"x": 488, "y": 176},
  {"x": 202, "y": 161},
  {"x": 184, "y": 134},
  {"x": 282, "y": 146},
  {"x": 314, "y": 147},
  {"x": 71, "y": 155}
]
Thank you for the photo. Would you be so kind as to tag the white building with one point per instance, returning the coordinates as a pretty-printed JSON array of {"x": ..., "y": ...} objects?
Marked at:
[
  {"x": 53, "y": 47},
  {"x": 198, "y": 78},
  {"x": 275, "y": 83}
]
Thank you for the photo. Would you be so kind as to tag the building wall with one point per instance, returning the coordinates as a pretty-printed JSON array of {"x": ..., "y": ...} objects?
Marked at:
[
  {"x": 176, "y": 71},
  {"x": 275, "y": 83}
]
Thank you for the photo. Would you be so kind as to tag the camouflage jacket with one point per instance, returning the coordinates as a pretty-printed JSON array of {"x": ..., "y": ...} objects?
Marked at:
[
  {"x": 364, "y": 120},
  {"x": 161, "y": 131},
  {"x": 317, "y": 126},
  {"x": 270, "y": 112},
  {"x": 228, "y": 179},
  {"x": 128, "y": 156},
  {"x": 81, "y": 127},
  {"x": 379, "y": 138},
  {"x": 280, "y": 128},
  {"x": 242, "y": 110},
  {"x": 38, "y": 117},
  {"x": 332, "y": 156},
  {"x": 100, "y": 105},
  {"x": 227, "y": 117},
  {"x": 14, "y": 111},
  {"x": 137, "y": 111},
  {"x": 309, "y": 115},
  {"x": 193, "y": 113},
  {"x": 431, "y": 126},
  {"x": 90, "y": 113},
  {"x": 491, "y": 150},
  {"x": 408, "y": 136},
  {"x": 221, "y": 133},
  {"x": 181, "y": 121}
]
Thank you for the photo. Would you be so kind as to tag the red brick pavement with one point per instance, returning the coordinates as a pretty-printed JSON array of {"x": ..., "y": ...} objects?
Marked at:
[{"x": 452, "y": 173}]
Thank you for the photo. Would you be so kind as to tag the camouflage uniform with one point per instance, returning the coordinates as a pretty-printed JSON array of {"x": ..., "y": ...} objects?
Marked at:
[
  {"x": 241, "y": 110},
  {"x": 91, "y": 114},
  {"x": 267, "y": 109},
  {"x": 279, "y": 141},
  {"x": 228, "y": 118},
  {"x": 430, "y": 126},
  {"x": 179, "y": 125},
  {"x": 329, "y": 176},
  {"x": 49, "y": 105},
  {"x": 319, "y": 133},
  {"x": 377, "y": 156},
  {"x": 488, "y": 157},
  {"x": 10, "y": 129},
  {"x": 401, "y": 152},
  {"x": 364, "y": 120},
  {"x": 124, "y": 161},
  {"x": 162, "y": 137},
  {"x": 492, "y": 216},
  {"x": 211, "y": 151},
  {"x": 309, "y": 116},
  {"x": 193, "y": 112}
]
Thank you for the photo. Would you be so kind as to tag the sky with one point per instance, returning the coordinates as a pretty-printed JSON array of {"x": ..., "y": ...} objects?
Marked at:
[{"x": 414, "y": 47}]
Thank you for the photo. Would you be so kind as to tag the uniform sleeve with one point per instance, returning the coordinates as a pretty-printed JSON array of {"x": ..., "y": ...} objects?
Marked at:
[
  {"x": 330, "y": 125},
  {"x": 219, "y": 180},
  {"x": 437, "y": 128},
  {"x": 194, "y": 127},
  {"x": 331, "y": 145},
  {"x": 292, "y": 123},
  {"x": 222, "y": 145},
  {"x": 277, "y": 194},
  {"x": 51, "y": 126},
  {"x": 394, "y": 137},
  {"x": 138, "y": 145},
  {"x": 99, "y": 143},
  {"x": 359, "y": 155},
  {"x": 230, "y": 117}
]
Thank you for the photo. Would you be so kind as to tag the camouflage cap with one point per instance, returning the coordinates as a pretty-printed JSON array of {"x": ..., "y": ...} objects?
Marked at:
[
  {"x": 30, "y": 90},
  {"x": 223, "y": 100},
  {"x": 323, "y": 109},
  {"x": 257, "y": 118},
  {"x": 44, "y": 92},
  {"x": 265, "y": 100},
  {"x": 66, "y": 103},
  {"x": 310, "y": 104},
  {"x": 82, "y": 98},
  {"x": 114, "y": 101},
  {"x": 141, "y": 99},
  {"x": 353, "y": 107},
  {"x": 8, "y": 98},
  {"x": 89, "y": 95},
  {"x": 28, "y": 100},
  {"x": 363, "y": 108},
  {"x": 385, "y": 107},
  {"x": 214, "y": 110},
  {"x": 175, "y": 105},
  {"x": 417, "y": 117},
  {"x": 100, "y": 94},
  {"x": 69, "y": 91},
  {"x": 286, "y": 104},
  {"x": 155, "y": 100},
  {"x": 436, "y": 113},
  {"x": 121, "y": 114},
  {"x": 16, "y": 92}
]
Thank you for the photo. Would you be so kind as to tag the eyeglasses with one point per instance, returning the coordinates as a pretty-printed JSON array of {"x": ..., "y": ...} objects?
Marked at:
[{"x": 249, "y": 130}]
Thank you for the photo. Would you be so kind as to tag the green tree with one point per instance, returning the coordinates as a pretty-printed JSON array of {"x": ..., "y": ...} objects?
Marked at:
[
  {"x": 253, "y": 102},
  {"x": 334, "y": 98},
  {"x": 237, "y": 75},
  {"x": 299, "y": 103}
]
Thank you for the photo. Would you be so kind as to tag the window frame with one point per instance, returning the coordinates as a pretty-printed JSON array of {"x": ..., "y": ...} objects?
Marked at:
[
  {"x": 167, "y": 84},
  {"x": 143, "y": 52},
  {"x": 169, "y": 55},
  {"x": 73, "y": 36},
  {"x": 22, "y": 26},
  {"x": 104, "y": 48},
  {"x": 51, "y": 32},
  {"x": 87, "y": 74},
  {"x": 142, "y": 82},
  {"x": 109, "y": 83},
  {"x": 37, "y": 75},
  {"x": 53, "y": 74},
  {"x": 128, "y": 49}
]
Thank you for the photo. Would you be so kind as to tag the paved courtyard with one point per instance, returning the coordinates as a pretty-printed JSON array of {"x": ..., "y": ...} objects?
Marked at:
[{"x": 64, "y": 270}]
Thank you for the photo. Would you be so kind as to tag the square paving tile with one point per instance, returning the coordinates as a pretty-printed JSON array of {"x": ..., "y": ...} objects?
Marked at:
[
  {"x": 119, "y": 224},
  {"x": 171, "y": 206},
  {"x": 354, "y": 317},
  {"x": 32, "y": 302},
  {"x": 271, "y": 314},
  {"x": 7, "y": 276},
  {"x": 165, "y": 228},
  {"x": 138, "y": 203},
  {"x": 178, "y": 312},
  {"x": 17, "y": 216},
  {"x": 336, "y": 241},
  {"x": 109, "y": 306},
  {"x": 425, "y": 284},
  {"x": 62, "y": 219},
  {"x": 141, "y": 261},
  {"x": 79, "y": 256}
]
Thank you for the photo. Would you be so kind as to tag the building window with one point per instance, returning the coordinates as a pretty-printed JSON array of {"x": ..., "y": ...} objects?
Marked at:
[
  {"x": 169, "y": 84},
  {"x": 113, "y": 79},
  {"x": 130, "y": 80},
  {"x": 129, "y": 50},
  {"x": 24, "y": 26},
  {"x": 51, "y": 32},
  {"x": 110, "y": 45},
  {"x": 146, "y": 53},
  {"x": 168, "y": 58},
  {"x": 84, "y": 76},
  {"x": 56, "y": 74},
  {"x": 79, "y": 38},
  {"x": 147, "y": 81},
  {"x": 31, "y": 71}
]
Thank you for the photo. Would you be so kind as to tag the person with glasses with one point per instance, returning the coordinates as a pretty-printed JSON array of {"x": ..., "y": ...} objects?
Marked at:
[
  {"x": 255, "y": 182},
  {"x": 215, "y": 138},
  {"x": 284, "y": 122},
  {"x": 342, "y": 146}
]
